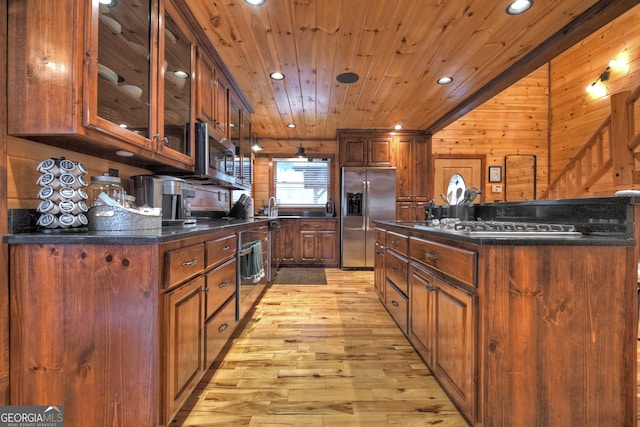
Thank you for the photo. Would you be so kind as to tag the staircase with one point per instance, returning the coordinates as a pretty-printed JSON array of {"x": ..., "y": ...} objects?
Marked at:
[{"x": 611, "y": 150}]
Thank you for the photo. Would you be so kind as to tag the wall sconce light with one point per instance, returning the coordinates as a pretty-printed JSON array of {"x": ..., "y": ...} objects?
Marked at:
[{"x": 597, "y": 88}]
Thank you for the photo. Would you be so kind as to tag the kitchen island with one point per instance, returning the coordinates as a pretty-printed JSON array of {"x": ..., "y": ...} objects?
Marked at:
[
  {"x": 522, "y": 330},
  {"x": 119, "y": 327}
]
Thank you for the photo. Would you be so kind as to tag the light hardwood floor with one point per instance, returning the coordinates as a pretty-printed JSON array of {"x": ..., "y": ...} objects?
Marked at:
[{"x": 320, "y": 356}]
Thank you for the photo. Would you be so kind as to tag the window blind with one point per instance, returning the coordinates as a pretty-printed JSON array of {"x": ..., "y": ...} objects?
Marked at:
[{"x": 301, "y": 182}]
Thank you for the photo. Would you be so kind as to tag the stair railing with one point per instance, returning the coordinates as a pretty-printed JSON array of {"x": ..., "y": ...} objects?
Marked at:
[{"x": 609, "y": 150}]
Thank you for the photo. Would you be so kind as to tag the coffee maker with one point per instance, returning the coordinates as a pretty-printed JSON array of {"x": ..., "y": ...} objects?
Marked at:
[{"x": 167, "y": 192}]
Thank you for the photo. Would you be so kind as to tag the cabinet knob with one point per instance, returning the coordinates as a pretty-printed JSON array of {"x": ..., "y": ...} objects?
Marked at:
[
  {"x": 165, "y": 140},
  {"x": 206, "y": 290}
]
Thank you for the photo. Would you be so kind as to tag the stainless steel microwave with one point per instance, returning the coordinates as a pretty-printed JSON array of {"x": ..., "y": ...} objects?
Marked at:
[{"x": 214, "y": 159}]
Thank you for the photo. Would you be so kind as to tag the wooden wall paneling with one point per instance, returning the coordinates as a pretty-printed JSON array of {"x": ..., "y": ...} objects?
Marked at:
[
  {"x": 4, "y": 253},
  {"x": 23, "y": 156},
  {"x": 513, "y": 122},
  {"x": 575, "y": 114},
  {"x": 261, "y": 184}
]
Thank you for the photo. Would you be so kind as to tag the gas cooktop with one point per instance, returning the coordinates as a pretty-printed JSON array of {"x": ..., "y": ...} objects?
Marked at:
[{"x": 505, "y": 229}]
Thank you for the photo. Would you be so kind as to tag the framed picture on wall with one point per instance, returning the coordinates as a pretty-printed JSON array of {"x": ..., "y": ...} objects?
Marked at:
[{"x": 495, "y": 173}]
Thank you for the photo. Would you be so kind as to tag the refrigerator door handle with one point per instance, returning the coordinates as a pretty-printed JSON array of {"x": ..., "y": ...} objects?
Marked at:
[
  {"x": 364, "y": 205},
  {"x": 367, "y": 205}
]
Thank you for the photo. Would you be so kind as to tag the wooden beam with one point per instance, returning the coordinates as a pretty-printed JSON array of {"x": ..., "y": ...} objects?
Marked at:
[{"x": 590, "y": 21}]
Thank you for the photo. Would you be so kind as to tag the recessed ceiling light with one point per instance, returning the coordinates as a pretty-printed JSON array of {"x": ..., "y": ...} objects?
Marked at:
[
  {"x": 445, "y": 80},
  {"x": 124, "y": 153},
  {"x": 291, "y": 125},
  {"x": 347, "y": 78},
  {"x": 277, "y": 75},
  {"x": 256, "y": 2},
  {"x": 519, "y": 6},
  {"x": 397, "y": 127}
]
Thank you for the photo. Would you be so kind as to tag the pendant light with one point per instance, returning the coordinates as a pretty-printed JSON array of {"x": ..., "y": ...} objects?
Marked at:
[{"x": 300, "y": 153}]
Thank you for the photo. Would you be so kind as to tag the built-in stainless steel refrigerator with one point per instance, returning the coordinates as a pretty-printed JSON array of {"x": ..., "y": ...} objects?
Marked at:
[{"x": 368, "y": 194}]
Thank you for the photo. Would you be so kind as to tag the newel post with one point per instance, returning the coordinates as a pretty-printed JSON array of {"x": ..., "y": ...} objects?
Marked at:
[{"x": 621, "y": 128}]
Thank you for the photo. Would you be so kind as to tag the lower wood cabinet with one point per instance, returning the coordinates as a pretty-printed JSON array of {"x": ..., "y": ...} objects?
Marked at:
[
  {"x": 147, "y": 321},
  {"x": 443, "y": 330},
  {"x": 308, "y": 241},
  {"x": 509, "y": 329}
]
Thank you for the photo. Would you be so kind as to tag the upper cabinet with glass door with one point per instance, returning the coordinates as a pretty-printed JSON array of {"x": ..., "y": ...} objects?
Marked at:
[{"x": 98, "y": 86}]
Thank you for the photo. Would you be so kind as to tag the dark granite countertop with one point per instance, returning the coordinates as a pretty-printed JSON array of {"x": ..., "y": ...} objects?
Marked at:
[
  {"x": 603, "y": 221},
  {"x": 132, "y": 237},
  {"x": 418, "y": 228}
]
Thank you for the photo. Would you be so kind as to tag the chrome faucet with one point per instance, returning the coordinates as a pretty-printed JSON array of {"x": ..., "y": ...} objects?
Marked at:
[{"x": 272, "y": 213}]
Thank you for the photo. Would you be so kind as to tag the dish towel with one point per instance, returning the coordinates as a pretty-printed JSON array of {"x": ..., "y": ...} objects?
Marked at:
[{"x": 251, "y": 267}]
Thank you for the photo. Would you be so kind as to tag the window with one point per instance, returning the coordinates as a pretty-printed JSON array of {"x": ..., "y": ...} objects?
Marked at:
[{"x": 301, "y": 182}]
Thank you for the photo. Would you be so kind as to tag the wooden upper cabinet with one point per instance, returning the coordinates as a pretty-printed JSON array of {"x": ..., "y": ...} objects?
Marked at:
[
  {"x": 366, "y": 150},
  {"x": 413, "y": 168},
  {"x": 212, "y": 96},
  {"x": 109, "y": 78},
  {"x": 379, "y": 150}
]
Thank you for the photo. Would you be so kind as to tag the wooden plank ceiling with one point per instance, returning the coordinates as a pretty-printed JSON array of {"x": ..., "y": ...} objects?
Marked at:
[{"x": 399, "y": 48}]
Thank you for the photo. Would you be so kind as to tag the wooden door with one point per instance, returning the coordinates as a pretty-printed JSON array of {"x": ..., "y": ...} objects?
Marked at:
[
  {"x": 289, "y": 235},
  {"x": 353, "y": 150},
  {"x": 421, "y": 313},
  {"x": 379, "y": 151},
  {"x": 470, "y": 169},
  {"x": 204, "y": 92},
  {"x": 455, "y": 357},
  {"x": 378, "y": 271},
  {"x": 184, "y": 348},
  {"x": 327, "y": 248},
  {"x": 308, "y": 249}
]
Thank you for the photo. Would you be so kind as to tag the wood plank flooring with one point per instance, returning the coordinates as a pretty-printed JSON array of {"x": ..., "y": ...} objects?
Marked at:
[{"x": 320, "y": 356}]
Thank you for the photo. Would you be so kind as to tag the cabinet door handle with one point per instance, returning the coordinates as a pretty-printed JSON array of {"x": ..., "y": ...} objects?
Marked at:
[
  {"x": 224, "y": 284},
  {"x": 206, "y": 290},
  {"x": 394, "y": 303},
  {"x": 223, "y": 327},
  {"x": 165, "y": 140},
  {"x": 432, "y": 256},
  {"x": 224, "y": 249},
  {"x": 190, "y": 263}
]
